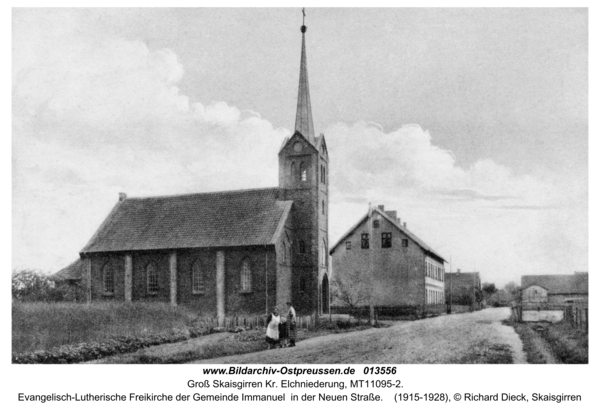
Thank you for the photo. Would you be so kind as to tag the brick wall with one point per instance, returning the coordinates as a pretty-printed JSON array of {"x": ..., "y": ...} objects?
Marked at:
[{"x": 263, "y": 267}]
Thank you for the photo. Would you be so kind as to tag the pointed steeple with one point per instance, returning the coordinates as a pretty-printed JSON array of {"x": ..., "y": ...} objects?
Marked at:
[{"x": 304, "y": 122}]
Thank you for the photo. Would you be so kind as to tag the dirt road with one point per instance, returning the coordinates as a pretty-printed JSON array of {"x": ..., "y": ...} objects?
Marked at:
[{"x": 477, "y": 337}]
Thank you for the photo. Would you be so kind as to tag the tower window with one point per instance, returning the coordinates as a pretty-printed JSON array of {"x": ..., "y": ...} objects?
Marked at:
[
  {"x": 323, "y": 207},
  {"x": 152, "y": 279},
  {"x": 245, "y": 277},
  {"x": 303, "y": 172},
  {"x": 324, "y": 253},
  {"x": 293, "y": 171},
  {"x": 302, "y": 247},
  {"x": 386, "y": 240},
  {"x": 364, "y": 240}
]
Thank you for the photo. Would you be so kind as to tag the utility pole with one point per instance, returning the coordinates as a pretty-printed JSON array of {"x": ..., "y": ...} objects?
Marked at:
[
  {"x": 371, "y": 243},
  {"x": 450, "y": 285}
]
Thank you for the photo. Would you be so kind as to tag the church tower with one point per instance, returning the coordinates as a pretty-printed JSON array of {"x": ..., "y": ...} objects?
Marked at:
[{"x": 304, "y": 179}]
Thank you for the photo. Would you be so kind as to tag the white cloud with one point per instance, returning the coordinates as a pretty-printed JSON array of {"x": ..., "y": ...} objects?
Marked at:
[
  {"x": 484, "y": 216},
  {"x": 94, "y": 116}
]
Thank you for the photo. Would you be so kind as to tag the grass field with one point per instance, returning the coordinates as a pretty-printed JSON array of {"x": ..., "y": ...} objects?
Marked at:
[
  {"x": 41, "y": 326},
  {"x": 552, "y": 343}
]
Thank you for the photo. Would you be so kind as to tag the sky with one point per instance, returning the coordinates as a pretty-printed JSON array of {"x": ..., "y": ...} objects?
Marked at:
[{"x": 471, "y": 123}]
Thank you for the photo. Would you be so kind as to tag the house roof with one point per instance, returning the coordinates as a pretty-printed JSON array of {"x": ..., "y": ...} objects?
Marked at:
[
  {"x": 400, "y": 227},
  {"x": 219, "y": 219},
  {"x": 70, "y": 272},
  {"x": 558, "y": 283}
]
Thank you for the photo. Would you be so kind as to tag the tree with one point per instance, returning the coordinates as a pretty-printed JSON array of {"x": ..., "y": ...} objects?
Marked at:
[
  {"x": 31, "y": 285},
  {"x": 351, "y": 290},
  {"x": 489, "y": 288},
  {"x": 513, "y": 290}
]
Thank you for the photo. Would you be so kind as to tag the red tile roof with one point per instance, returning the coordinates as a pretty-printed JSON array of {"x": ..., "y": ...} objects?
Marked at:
[{"x": 220, "y": 219}]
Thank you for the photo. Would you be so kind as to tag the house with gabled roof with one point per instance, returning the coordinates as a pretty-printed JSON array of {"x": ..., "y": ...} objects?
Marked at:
[
  {"x": 399, "y": 267},
  {"x": 224, "y": 253},
  {"x": 555, "y": 288}
]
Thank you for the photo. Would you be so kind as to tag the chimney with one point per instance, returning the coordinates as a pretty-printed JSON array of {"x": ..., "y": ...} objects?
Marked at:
[
  {"x": 381, "y": 207},
  {"x": 404, "y": 224},
  {"x": 391, "y": 214},
  {"x": 398, "y": 221},
  {"x": 122, "y": 196},
  {"x": 458, "y": 271}
]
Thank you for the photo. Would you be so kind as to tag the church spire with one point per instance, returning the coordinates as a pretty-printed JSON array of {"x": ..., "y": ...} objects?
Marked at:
[{"x": 304, "y": 122}]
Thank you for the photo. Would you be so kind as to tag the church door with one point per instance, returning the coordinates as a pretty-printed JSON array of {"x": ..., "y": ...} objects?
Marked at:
[{"x": 325, "y": 295}]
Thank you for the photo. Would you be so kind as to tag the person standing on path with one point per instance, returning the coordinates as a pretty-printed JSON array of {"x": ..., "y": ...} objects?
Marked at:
[
  {"x": 291, "y": 324},
  {"x": 273, "y": 321}
]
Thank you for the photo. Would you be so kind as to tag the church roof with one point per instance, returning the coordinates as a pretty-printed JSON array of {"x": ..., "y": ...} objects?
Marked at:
[
  {"x": 304, "y": 121},
  {"x": 70, "y": 272},
  {"x": 219, "y": 219},
  {"x": 558, "y": 283}
]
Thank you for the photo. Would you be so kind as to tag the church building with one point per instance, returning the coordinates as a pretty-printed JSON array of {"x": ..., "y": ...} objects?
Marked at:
[{"x": 225, "y": 253}]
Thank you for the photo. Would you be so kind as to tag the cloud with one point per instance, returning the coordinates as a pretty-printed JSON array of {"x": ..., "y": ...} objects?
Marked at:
[
  {"x": 95, "y": 115},
  {"x": 484, "y": 216}
]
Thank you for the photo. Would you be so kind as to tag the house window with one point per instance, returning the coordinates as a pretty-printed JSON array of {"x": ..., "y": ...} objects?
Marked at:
[
  {"x": 197, "y": 279},
  {"x": 375, "y": 223},
  {"x": 152, "y": 279},
  {"x": 246, "y": 277},
  {"x": 404, "y": 242},
  {"x": 108, "y": 279},
  {"x": 386, "y": 240},
  {"x": 348, "y": 245},
  {"x": 302, "y": 247},
  {"x": 364, "y": 240}
]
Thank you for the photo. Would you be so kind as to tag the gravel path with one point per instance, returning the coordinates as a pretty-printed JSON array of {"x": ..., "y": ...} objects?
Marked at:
[{"x": 440, "y": 340}]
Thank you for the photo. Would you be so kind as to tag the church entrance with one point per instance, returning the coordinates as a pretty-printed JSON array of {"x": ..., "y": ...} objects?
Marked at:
[{"x": 325, "y": 295}]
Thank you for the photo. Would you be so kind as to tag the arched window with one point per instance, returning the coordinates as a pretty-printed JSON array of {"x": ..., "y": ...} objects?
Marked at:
[
  {"x": 108, "y": 279},
  {"x": 293, "y": 172},
  {"x": 245, "y": 276},
  {"x": 152, "y": 279},
  {"x": 197, "y": 278},
  {"x": 303, "y": 172},
  {"x": 301, "y": 247}
]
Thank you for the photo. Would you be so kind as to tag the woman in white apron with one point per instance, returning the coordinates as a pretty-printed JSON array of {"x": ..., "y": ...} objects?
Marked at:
[{"x": 273, "y": 328}]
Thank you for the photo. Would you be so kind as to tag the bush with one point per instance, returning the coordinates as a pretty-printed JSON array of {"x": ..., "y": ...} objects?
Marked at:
[{"x": 31, "y": 285}]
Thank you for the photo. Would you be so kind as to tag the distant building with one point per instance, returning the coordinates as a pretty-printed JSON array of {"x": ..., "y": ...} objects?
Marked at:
[
  {"x": 558, "y": 288},
  {"x": 463, "y": 288},
  {"x": 399, "y": 268},
  {"x": 71, "y": 274}
]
